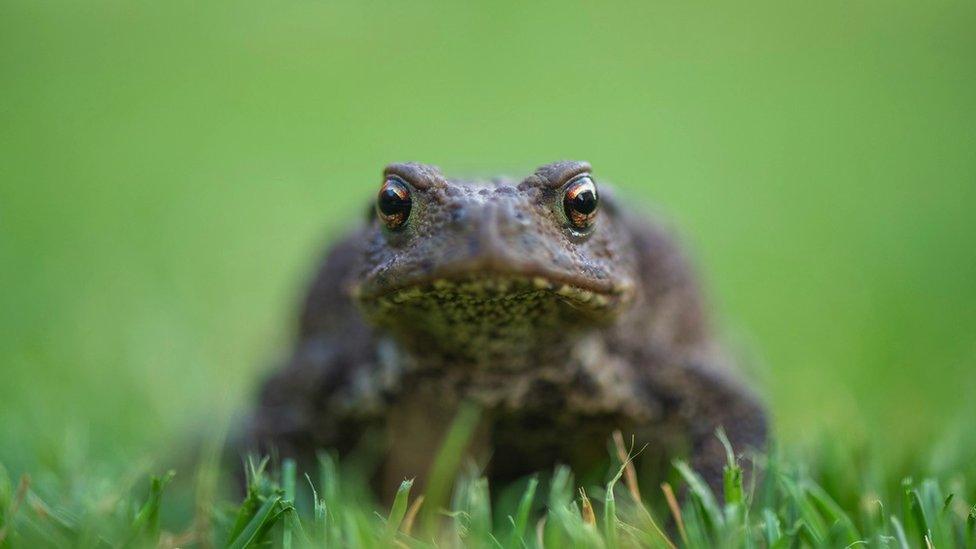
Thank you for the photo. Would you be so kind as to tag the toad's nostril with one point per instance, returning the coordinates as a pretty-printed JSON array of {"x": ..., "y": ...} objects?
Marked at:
[
  {"x": 458, "y": 216},
  {"x": 511, "y": 221}
]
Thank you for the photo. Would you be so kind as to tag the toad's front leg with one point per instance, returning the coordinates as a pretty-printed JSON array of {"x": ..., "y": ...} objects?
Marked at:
[{"x": 704, "y": 400}]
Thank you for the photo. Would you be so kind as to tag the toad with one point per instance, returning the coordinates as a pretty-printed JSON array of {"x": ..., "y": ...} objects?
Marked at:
[{"x": 549, "y": 303}]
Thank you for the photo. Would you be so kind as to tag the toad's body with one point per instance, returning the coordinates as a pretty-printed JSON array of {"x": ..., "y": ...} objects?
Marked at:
[{"x": 562, "y": 315}]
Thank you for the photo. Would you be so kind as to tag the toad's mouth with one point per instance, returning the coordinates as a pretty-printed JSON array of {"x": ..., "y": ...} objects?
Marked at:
[
  {"x": 485, "y": 316},
  {"x": 495, "y": 287}
]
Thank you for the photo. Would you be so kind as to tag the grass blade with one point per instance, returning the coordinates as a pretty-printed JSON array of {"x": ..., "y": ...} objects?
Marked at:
[
  {"x": 252, "y": 501},
  {"x": 398, "y": 510},
  {"x": 808, "y": 535},
  {"x": 446, "y": 464},
  {"x": 293, "y": 524},
  {"x": 771, "y": 529},
  {"x": 328, "y": 478},
  {"x": 900, "y": 536},
  {"x": 626, "y": 458},
  {"x": 145, "y": 526},
  {"x": 802, "y": 506},
  {"x": 554, "y": 526},
  {"x": 701, "y": 497},
  {"x": 263, "y": 519},
  {"x": 836, "y": 516},
  {"x": 10, "y": 503},
  {"x": 288, "y": 484},
  {"x": 586, "y": 509},
  {"x": 918, "y": 513},
  {"x": 288, "y": 475},
  {"x": 630, "y": 474},
  {"x": 521, "y": 521},
  {"x": 971, "y": 527},
  {"x": 411, "y": 516},
  {"x": 731, "y": 473},
  {"x": 610, "y": 510}
]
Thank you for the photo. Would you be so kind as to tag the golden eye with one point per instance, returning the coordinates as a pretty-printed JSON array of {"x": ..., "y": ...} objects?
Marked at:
[
  {"x": 581, "y": 202},
  {"x": 393, "y": 203}
]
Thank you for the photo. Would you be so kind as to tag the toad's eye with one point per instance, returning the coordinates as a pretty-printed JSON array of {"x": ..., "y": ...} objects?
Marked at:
[
  {"x": 393, "y": 203},
  {"x": 580, "y": 202}
]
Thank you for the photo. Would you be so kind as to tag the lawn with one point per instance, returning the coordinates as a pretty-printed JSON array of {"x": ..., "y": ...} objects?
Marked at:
[
  {"x": 170, "y": 173},
  {"x": 835, "y": 505}
]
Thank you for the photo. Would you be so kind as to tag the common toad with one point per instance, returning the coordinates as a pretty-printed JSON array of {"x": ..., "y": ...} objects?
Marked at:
[{"x": 546, "y": 301}]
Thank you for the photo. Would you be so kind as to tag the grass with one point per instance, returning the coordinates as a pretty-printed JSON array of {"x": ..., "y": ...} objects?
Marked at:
[{"x": 791, "y": 506}]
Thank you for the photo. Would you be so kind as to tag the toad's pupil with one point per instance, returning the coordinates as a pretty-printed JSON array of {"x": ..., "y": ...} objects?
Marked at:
[
  {"x": 585, "y": 202},
  {"x": 393, "y": 203},
  {"x": 394, "y": 199}
]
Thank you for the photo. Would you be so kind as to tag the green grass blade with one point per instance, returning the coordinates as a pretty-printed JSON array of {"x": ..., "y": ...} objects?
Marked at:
[
  {"x": 610, "y": 517},
  {"x": 262, "y": 520},
  {"x": 319, "y": 517},
  {"x": 8, "y": 508},
  {"x": 478, "y": 508},
  {"x": 245, "y": 512},
  {"x": 252, "y": 500},
  {"x": 947, "y": 503},
  {"x": 610, "y": 509},
  {"x": 560, "y": 496},
  {"x": 328, "y": 478},
  {"x": 803, "y": 507},
  {"x": 521, "y": 520},
  {"x": 971, "y": 527},
  {"x": 812, "y": 538},
  {"x": 833, "y": 513},
  {"x": 206, "y": 489},
  {"x": 772, "y": 531},
  {"x": 293, "y": 524},
  {"x": 145, "y": 526},
  {"x": 875, "y": 518},
  {"x": 288, "y": 475},
  {"x": 399, "y": 509},
  {"x": 936, "y": 505},
  {"x": 288, "y": 484},
  {"x": 446, "y": 464},
  {"x": 731, "y": 473},
  {"x": 900, "y": 536},
  {"x": 41, "y": 534},
  {"x": 6, "y": 496},
  {"x": 711, "y": 518},
  {"x": 919, "y": 515}
]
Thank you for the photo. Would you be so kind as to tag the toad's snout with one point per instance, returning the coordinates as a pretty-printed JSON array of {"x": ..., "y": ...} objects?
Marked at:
[{"x": 492, "y": 236}]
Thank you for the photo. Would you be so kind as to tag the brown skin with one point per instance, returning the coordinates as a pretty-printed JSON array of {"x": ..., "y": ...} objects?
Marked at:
[{"x": 490, "y": 292}]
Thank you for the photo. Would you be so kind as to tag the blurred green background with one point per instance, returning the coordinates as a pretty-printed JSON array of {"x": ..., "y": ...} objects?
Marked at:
[{"x": 169, "y": 172}]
